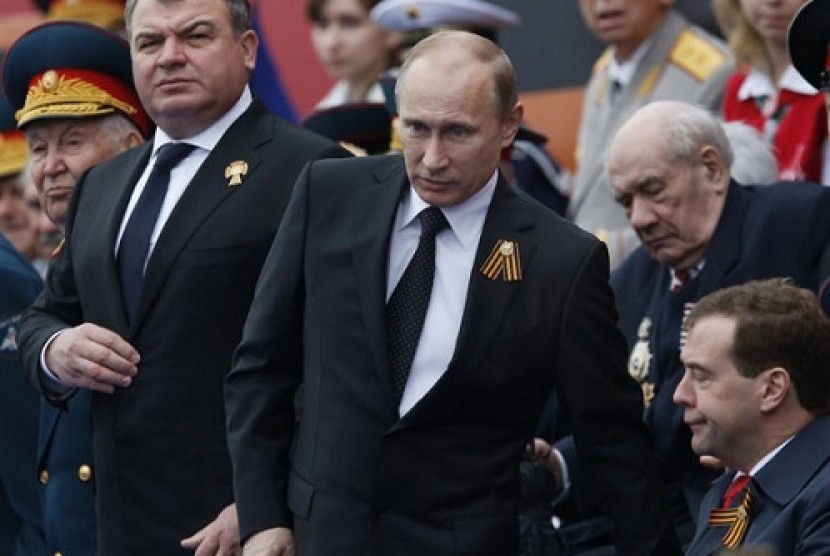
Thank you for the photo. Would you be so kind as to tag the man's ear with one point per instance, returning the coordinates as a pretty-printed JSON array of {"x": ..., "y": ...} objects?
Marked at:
[
  {"x": 511, "y": 125},
  {"x": 775, "y": 385},
  {"x": 716, "y": 172}
]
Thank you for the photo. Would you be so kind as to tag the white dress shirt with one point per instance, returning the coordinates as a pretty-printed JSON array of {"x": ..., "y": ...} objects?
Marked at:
[{"x": 455, "y": 251}]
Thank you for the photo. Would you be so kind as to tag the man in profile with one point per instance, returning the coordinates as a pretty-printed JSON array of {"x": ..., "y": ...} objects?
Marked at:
[{"x": 756, "y": 395}]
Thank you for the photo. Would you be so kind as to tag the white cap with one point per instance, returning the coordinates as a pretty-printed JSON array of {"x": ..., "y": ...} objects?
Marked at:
[{"x": 406, "y": 15}]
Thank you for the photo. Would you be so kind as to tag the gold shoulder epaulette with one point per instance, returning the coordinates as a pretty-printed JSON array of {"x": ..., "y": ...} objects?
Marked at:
[
  {"x": 602, "y": 61},
  {"x": 696, "y": 55}
]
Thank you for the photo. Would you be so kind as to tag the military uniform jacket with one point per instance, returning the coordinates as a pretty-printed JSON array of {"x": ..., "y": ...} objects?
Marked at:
[
  {"x": 790, "y": 500},
  {"x": 779, "y": 230},
  {"x": 682, "y": 63},
  {"x": 443, "y": 479},
  {"x": 162, "y": 468},
  {"x": 21, "y": 531}
]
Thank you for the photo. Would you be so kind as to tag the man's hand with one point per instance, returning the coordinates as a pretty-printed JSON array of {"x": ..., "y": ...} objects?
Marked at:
[
  {"x": 278, "y": 541},
  {"x": 218, "y": 538},
  {"x": 89, "y": 356}
]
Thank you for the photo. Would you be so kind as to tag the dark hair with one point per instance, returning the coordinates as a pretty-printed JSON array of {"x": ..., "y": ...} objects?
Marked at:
[
  {"x": 777, "y": 325},
  {"x": 238, "y": 10},
  {"x": 314, "y": 8}
]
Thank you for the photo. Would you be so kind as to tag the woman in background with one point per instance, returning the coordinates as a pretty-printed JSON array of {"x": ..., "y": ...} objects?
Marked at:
[
  {"x": 351, "y": 48},
  {"x": 766, "y": 91}
]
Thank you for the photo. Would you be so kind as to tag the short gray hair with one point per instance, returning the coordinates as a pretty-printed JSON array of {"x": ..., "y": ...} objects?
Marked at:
[
  {"x": 754, "y": 162},
  {"x": 688, "y": 129},
  {"x": 239, "y": 11}
]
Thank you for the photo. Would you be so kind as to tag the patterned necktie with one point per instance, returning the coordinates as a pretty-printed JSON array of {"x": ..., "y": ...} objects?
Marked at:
[
  {"x": 407, "y": 308},
  {"x": 736, "y": 518},
  {"x": 135, "y": 242}
]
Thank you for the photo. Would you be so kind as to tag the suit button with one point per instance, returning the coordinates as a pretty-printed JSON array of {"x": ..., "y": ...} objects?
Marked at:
[
  {"x": 44, "y": 477},
  {"x": 84, "y": 473},
  {"x": 58, "y": 554}
]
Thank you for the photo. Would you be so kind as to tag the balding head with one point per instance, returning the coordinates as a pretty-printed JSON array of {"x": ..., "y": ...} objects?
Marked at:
[{"x": 669, "y": 168}]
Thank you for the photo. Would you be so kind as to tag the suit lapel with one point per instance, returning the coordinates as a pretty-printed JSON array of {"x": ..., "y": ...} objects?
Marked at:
[
  {"x": 488, "y": 299},
  {"x": 205, "y": 192},
  {"x": 724, "y": 251},
  {"x": 370, "y": 254}
]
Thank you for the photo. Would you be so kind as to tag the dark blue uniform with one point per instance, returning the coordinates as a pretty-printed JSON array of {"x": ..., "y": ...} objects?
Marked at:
[{"x": 21, "y": 533}]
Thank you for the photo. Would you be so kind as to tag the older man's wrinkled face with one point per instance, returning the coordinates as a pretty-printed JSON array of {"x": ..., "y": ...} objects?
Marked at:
[{"x": 61, "y": 150}]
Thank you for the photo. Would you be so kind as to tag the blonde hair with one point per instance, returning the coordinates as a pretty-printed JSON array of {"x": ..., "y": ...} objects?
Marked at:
[{"x": 746, "y": 44}]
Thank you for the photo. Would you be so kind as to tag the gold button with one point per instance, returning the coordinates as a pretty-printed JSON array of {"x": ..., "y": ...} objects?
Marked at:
[
  {"x": 44, "y": 476},
  {"x": 84, "y": 473},
  {"x": 58, "y": 554}
]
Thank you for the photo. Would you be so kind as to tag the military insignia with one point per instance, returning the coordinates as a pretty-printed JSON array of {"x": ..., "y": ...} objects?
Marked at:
[
  {"x": 413, "y": 12},
  {"x": 57, "y": 249},
  {"x": 640, "y": 358},
  {"x": 504, "y": 262},
  {"x": 696, "y": 55},
  {"x": 687, "y": 308},
  {"x": 49, "y": 81},
  {"x": 235, "y": 171},
  {"x": 648, "y": 392}
]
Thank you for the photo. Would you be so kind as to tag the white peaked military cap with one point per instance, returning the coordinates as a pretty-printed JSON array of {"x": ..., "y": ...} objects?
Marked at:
[{"x": 406, "y": 15}]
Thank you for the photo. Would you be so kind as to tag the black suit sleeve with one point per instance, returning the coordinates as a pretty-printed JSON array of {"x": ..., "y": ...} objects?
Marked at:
[
  {"x": 605, "y": 409},
  {"x": 259, "y": 397}
]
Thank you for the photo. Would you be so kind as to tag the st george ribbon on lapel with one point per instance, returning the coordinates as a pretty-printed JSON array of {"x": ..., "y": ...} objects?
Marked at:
[
  {"x": 407, "y": 308},
  {"x": 135, "y": 242}
]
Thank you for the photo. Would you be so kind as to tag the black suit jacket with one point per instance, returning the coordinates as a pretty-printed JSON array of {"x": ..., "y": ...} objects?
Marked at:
[
  {"x": 443, "y": 479},
  {"x": 162, "y": 465}
]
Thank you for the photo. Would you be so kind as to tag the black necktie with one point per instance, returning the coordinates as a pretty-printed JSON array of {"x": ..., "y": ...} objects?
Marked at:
[
  {"x": 135, "y": 242},
  {"x": 407, "y": 308}
]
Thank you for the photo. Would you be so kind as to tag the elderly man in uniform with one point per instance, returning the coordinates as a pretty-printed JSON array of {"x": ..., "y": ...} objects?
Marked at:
[
  {"x": 145, "y": 302},
  {"x": 77, "y": 106},
  {"x": 653, "y": 54}
]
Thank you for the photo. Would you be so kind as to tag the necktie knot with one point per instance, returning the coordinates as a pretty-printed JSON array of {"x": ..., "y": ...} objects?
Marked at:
[
  {"x": 432, "y": 221},
  {"x": 169, "y": 155},
  {"x": 680, "y": 278},
  {"x": 735, "y": 488}
]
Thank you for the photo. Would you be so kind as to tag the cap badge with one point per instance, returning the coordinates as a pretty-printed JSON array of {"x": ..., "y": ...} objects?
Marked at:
[
  {"x": 49, "y": 81},
  {"x": 235, "y": 172},
  {"x": 503, "y": 262},
  {"x": 412, "y": 12}
]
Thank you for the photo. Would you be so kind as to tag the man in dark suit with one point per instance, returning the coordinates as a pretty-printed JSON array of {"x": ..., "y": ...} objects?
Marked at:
[
  {"x": 756, "y": 394},
  {"x": 145, "y": 302},
  {"x": 517, "y": 302},
  {"x": 700, "y": 232},
  {"x": 67, "y": 133}
]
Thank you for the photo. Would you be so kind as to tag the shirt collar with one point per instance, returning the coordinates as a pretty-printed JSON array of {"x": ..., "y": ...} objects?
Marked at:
[
  {"x": 465, "y": 219},
  {"x": 208, "y": 138},
  {"x": 623, "y": 72},
  {"x": 758, "y": 84}
]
